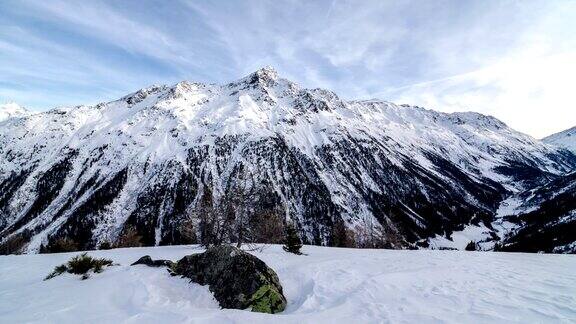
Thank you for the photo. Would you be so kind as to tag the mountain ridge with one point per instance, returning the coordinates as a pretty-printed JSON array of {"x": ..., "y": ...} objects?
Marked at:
[
  {"x": 153, "y": 158},
  {"x": 565, "y": 139}
]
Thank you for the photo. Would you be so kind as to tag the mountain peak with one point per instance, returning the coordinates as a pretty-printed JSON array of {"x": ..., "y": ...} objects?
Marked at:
[
  {"x": 267, "y": 72},
  {"x": 263, "y": 77},
  {"x": 12, "y": 109},
  {"x": 565, "y": 139}
]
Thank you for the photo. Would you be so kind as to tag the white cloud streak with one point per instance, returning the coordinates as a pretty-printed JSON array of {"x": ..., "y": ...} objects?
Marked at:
[{"x": 511, "y": 59}]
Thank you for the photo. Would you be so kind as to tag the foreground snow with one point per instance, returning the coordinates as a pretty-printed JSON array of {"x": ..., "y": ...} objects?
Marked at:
[{"x": 327, "y": 285}]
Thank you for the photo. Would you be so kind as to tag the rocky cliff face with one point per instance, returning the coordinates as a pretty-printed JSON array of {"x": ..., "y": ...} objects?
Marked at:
[{"x": 158, "y": 158}]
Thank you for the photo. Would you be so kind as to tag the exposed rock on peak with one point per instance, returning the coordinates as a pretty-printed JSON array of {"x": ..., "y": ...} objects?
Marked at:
[
  {"x": 140, "y": 95},
  {"x": 266, "y": 73},
  {"x": 264, "y": 78}
]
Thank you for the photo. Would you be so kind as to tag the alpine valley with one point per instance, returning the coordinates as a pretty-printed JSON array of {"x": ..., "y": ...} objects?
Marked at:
[{"x": 364, "y": 173}]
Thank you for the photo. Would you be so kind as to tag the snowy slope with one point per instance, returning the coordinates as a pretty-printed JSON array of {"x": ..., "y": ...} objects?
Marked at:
[
  {"x": 327, "y": 285},
  {"x": 565, "y": 139},
  {"x": 541, "y": 219},
  {"x": 546, "y": 219},
  {"x": 151, "y": 159}
]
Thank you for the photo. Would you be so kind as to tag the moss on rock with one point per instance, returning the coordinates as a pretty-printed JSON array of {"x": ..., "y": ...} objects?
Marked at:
[{"x": 267, "y": 299}]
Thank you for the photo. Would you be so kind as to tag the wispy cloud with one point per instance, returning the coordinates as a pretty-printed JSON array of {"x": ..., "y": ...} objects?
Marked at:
[
  {"x": 508, "y": 58},
  {"x": 100, "y": 20}
]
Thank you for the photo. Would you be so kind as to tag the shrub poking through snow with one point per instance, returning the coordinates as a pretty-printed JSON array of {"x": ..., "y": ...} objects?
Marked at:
[
  {"x": 292, "y": 243},
  {"x": 81, "y": 265}
]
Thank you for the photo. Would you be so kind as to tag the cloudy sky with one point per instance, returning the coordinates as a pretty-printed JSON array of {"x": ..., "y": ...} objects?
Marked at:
[{"x": 515, "y": 60}]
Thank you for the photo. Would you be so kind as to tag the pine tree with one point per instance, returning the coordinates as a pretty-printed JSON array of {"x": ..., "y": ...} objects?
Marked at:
[
  {"x": 471, "y": 246},
  {"x": 292, "y": 243}
]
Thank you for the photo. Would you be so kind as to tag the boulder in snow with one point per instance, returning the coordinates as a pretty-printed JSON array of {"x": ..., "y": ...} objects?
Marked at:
[{"x": 237, "y": 279}]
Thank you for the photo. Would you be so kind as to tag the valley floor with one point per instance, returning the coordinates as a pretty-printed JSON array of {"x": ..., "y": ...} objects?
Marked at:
[{"x": 328, "y": 285}]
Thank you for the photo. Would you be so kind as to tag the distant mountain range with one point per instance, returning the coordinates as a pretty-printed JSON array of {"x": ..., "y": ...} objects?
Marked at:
[{"x": 364, "y": 173}]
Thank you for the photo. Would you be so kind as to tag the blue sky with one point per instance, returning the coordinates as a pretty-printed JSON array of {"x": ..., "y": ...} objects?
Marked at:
[{"x": 515, "y": 60}]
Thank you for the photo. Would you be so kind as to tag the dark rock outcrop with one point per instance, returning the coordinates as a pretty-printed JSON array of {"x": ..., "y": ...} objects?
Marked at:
[
  {"x": 147, "y": 260},
  {"x": 237, "y": 279}
]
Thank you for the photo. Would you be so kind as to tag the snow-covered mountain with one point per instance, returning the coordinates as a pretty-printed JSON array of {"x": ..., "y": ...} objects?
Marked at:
[
  {"x": 545, "y": 220},
  {"x": 540, "y": 219},
  {"x": 340, "y": 170},
  {"x": 11, "y": 109},
  {"x": 565, "y": 139}
]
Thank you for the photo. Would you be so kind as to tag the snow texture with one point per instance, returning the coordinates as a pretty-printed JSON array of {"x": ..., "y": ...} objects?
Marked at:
[{"x": 327, "y": 285}]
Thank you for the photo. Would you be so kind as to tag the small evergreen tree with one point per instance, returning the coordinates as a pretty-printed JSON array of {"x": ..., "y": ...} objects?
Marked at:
[
  {"x": 471, "y": 246},
  {"x": 497, "y": 247},
  {"x": 292, "y": 243}
]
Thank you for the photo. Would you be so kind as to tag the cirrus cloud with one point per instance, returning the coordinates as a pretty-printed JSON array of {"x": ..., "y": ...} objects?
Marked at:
[{"x": 510, "y": 59}]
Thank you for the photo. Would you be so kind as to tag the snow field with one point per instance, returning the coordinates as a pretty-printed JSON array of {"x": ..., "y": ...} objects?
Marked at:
[{"x": 328, "y": 285}]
